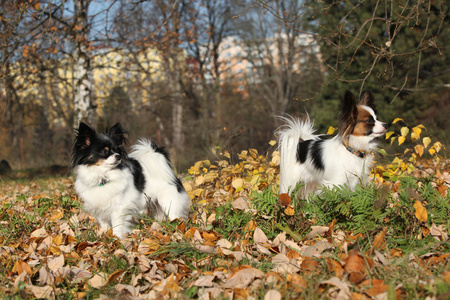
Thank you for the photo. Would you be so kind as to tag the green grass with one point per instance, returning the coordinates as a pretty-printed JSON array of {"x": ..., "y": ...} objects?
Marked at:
[{"x": 361, "y": 215}]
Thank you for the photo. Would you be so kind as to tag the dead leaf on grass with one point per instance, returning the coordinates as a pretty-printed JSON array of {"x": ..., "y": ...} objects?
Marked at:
[
  {"x": 205, "y": 281},
  {"x": 43, "y": 292},
  {"x": 318, "y": 230},
  {"x": 421, "y": 211},
  {"x": 439, "y": 232},
  {"x": 243, "y": 278},
  {"x": 379, "y": 242},
  {"x": 356, "y": 266},
  {"x": 343, "y": 288},
  {"x": 272, "y": 295}
]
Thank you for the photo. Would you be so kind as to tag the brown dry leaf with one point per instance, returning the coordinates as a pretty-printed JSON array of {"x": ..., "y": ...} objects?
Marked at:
[
  {"x": 335, "y": 267},
  {"x": 293, "y": 254},
  {"x": 378, "y": 287},
  {"x": 442, "y": 190},
  {"x": 282, "y": 264},
  {"x": 421, "y": 212},
  {"x": 396, "y": 252},
  {"x": 298, "y": 282},
  {"x": 98, "y": 280},
  {"x": 172, "y": 284},
  {"x": 243, "y": 278},
  {"x": 113, "y": 277},
  {"x": 379, "y": 242},
  {"x": 344, "y": 290},
  {"x": 181, "y": 227},
  {"x": 40, "y": 232},
  {"x": 239, "y": 293},
  {"x": 355, "y": 266},
  {"x": 446, "y": 277},
  {"x": 56, "y": 263},
  {"x": 56, "y": 214},
  {"x": 309, "y": 264},
  {"x": 260, "y": 237},
  {"x": 439, "y": 232},
  {"x": 45, "y": 277},
  {"x": 285, "y": 199},
  {"x": 205, "y": 281},
  {"x": 20, "y": 266},
  {"x": 238, "y": 255},
  {"x": 240, "y": 203},
  {"x": 272, "y": 295},
  {"x": 83, "y": 245},
  {"x": 210, "y": 236},
  {"x": 317, "y": 248},
  {"x": 190, "y": 233},
  {"x": 250, "y": 226},
  {"x": 42, "y": 292},
  {"x": 127, "y": 289},
  {"x": 318, "y": 230}
]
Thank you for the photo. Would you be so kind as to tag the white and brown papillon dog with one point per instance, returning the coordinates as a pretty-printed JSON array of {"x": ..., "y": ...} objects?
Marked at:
[
  {"x": 117, "y": 188},
  {"x": 345, "y": 159}
]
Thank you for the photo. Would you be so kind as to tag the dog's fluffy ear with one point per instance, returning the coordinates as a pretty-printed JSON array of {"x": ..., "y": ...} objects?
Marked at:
[
  {"x": 367, "y": 99},
  {"x": 349, "y": 113},
  {"x": 84, "y": 135},
  {"x": 117, "y": 133}
]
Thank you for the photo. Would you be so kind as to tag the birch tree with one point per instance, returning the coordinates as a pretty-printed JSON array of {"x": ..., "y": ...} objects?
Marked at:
[{"x": 83, "y": 104}]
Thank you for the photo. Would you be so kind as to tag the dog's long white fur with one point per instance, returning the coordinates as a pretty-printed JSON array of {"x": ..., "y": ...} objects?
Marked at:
[
  {"x": 159, "y": 182},
  {"x": 289, "y": 135},
  {"x": 340, "y": 166}
]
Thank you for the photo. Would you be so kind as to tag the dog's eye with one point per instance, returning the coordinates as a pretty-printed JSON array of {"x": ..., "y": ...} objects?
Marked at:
[
  {"x": 370, "y": 121},
  {"x": 104, "y": 152}
]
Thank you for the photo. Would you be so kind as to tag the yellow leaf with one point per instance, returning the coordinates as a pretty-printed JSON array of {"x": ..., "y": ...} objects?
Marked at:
[
  {"x": 417, "y": 131},
  {"x": 437, "y": 146},
  {"x": 393, "y": 139},
  {"x": 388, "y": 134},
  {"x": 419, "y": 149},
  {"x": 57, "y": 240},
  {"x": 421, "y": 212},
  {"x": 401, "y": 139},
  {"x": 210, "y": 236},
  {"x": 250, "y": 226},
  {"x": 432, "y": 151},
  {"x": 404, "y": 131},
  {"x": 237, "y": 182},
  {"x": 396, "y": 120},
  {"x": 331, "y": 130},
  {"x": 426, "y": 141},
  {"x": 289, "y": 211},
  {"x": 172, "y": 284},
  {"x": 272, "y": 143},
  {"x": 55, "y": 250}
]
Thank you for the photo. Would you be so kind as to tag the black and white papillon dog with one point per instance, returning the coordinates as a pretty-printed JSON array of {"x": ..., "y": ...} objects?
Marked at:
[
  {"x": 117, "y": 188},
  {"x": 345, "y": 159}
]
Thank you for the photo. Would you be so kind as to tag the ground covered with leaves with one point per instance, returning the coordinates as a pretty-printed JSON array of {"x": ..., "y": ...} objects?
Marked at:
[{"x": 388, "y": 240}]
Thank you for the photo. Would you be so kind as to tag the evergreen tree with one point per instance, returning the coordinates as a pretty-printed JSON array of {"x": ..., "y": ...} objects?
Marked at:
[{"x": 397, "y": 49}]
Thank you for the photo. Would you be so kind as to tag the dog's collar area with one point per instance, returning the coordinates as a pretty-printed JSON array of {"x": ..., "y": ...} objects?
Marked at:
[
  {"x": 360, "y": 154},
  {"x": 103, "y": 182}
]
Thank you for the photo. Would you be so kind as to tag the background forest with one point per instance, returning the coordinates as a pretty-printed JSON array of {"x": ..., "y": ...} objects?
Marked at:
[{"x": 195, "y": 74}]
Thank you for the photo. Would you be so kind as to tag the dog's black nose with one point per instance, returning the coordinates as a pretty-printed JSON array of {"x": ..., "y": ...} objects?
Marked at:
[
  {"x": 385, "y": 125},
  {"x": 117, "y": 156}
]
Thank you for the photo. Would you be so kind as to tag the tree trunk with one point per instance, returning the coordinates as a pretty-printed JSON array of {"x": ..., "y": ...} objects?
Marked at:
[{"x": 84, "y": 108}]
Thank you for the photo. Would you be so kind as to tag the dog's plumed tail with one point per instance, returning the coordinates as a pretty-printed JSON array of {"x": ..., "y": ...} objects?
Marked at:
[
  {"x": 162, "y": 182},
  {"x": 289, "y": 135}
]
